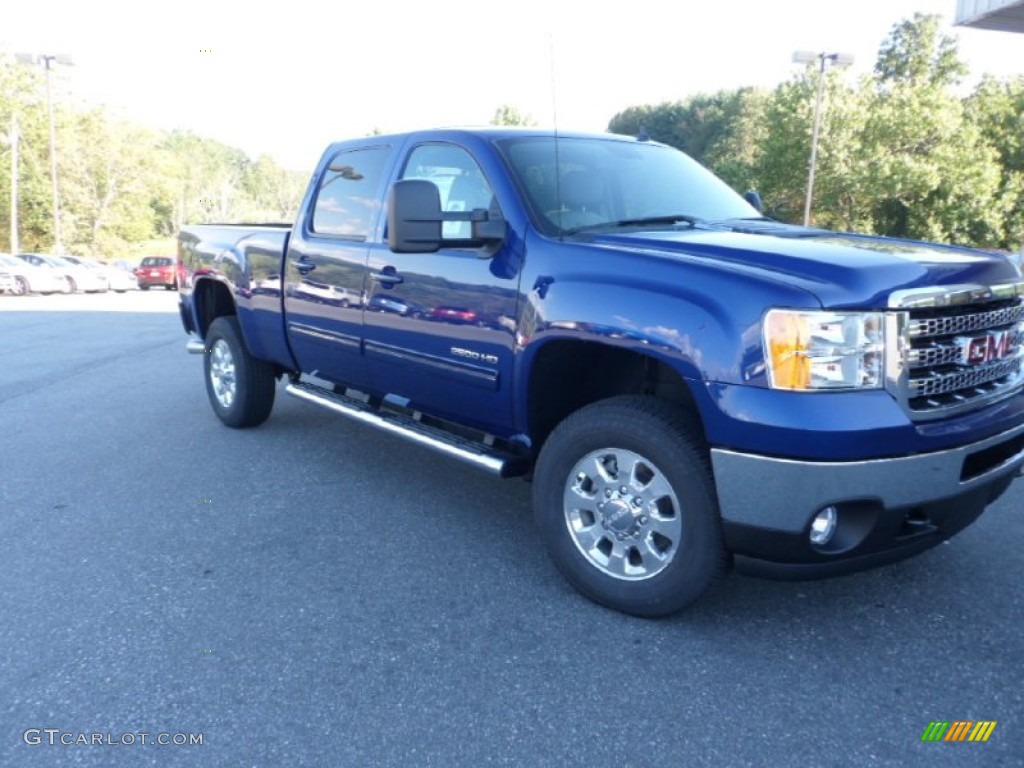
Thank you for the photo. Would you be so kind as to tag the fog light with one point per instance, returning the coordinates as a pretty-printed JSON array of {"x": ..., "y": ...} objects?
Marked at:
[{"x": 823, "y": 527}]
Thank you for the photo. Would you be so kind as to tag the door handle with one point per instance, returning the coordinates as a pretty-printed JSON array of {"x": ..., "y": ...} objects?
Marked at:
[
  {"x": 387, "y": 277},
  {"x": 304, "y": 265}
]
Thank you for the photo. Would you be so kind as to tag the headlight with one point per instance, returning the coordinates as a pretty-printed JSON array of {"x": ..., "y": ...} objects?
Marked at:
[{"x": 824, "y": 350}]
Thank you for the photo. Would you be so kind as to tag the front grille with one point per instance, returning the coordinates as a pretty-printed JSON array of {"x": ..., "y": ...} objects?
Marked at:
[
  {"x": 963, "y": 381},
  {"x": 965, "y": 323},
  {"x": 940, "y": 377}
]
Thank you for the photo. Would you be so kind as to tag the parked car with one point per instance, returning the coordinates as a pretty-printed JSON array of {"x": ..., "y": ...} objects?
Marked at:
[
  {"x": 76, "y": 277},
  {"x": 395, "y": 305},
  {"x": 118, "y": 280},
  {"x": 122, "y": 280},
  {"x": 457, "y": 315},
  {"x": 157, "y": 271},
  {"x": 30, "y": 278}
]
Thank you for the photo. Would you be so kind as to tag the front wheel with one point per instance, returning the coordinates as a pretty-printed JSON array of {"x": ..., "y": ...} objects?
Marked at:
[
  {"x": 240, "y": 387},
  {"x": 21, "y": 286},
  {"x": 625, "y": 502}
]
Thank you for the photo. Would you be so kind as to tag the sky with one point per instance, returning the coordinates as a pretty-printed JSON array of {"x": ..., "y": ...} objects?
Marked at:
[{"x": 288, "y": 78}]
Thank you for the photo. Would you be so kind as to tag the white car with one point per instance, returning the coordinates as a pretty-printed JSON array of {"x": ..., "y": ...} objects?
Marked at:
[
  {"x": 77, "y": 278},
  {"x": 29, "y": 278},
  {"x": 7, "y": 283},
  {"x": 118, "y": 280}
]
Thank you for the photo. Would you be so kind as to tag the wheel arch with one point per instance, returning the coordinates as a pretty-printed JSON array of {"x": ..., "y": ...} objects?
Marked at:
[
  {"x": 211, "y": 299},
  {"x": 567, "y": 374}
]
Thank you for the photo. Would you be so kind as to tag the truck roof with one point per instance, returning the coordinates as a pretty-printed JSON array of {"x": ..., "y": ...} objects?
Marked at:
[{"x": 493, "y": 133}]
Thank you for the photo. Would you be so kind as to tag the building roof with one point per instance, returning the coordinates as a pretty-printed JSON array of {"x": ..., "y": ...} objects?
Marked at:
[{"x": 1002, "y": 15}]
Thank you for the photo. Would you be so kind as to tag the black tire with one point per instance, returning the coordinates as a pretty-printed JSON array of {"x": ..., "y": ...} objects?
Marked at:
[
  {"x": 661, "y": 535},
  {"x": 143, "y": 287},
  {"x": 244, "y": 396}
]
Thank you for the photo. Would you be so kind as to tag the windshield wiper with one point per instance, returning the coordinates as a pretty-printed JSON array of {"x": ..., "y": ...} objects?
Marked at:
[{"x": 678, "y": 218}]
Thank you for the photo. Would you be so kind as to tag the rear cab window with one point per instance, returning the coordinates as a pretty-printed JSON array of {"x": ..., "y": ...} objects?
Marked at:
[{"x": 347, "y": 200}]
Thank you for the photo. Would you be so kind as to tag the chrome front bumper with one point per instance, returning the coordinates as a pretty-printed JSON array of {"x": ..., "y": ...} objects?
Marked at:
[{"x": 784, "y": 494}]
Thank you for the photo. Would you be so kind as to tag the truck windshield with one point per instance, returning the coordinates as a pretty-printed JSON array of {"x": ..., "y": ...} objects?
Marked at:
[{"x": 591, "y": 184}]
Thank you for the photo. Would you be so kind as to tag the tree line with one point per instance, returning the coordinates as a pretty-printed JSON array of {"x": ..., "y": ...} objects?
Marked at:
[
  {"x": 900, "y": 152},
  {"x": 121, "y": 185}
]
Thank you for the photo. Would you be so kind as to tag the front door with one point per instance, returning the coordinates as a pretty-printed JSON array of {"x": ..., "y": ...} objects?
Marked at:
[{"x": 440, "y": 327}]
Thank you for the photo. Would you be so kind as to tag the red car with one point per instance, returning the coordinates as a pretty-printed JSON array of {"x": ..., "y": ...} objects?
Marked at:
[
  {"x": 457, "y": 315},
  {"x": 157, "y": 270}
]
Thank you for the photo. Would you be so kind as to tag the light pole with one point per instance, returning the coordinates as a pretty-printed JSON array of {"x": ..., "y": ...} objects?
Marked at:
[
  {"x": 48, "y": 60},
  {"x": 837, "y": 60},
  {"x": 14, "y": 183}
]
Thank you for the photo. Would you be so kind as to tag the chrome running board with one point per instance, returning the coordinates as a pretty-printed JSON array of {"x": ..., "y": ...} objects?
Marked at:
[{"x": 476, "y": 454}]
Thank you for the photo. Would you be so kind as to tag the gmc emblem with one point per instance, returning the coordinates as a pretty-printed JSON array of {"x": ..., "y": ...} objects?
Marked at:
[{"x": 975, "y": 350}]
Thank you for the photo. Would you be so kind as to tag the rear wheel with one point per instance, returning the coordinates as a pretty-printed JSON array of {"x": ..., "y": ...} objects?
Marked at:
[
  {"x": 143, "y": 287},
  {"x": 625, "y": 502},
  {"x": 240, "y": 387}
]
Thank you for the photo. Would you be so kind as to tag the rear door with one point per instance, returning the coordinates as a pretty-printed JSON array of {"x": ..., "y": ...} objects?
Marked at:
[{"x": 325, "y": 266}]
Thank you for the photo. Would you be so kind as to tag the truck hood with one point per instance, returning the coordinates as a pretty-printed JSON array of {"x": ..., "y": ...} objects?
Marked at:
[{"x": 841, "y": 270}]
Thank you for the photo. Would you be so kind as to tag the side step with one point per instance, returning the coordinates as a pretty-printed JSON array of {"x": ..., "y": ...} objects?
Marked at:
[
  {"x": 477, "y": 454},
  {"x": 195, "y": 345}
]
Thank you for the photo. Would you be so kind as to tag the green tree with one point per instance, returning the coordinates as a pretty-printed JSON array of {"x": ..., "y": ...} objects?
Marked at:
[
  {"x": 996, "y": 109},
  {"x": 696, "y": 125},
  {"x": 106, "y": 172},
  {"x": 916, "y": 52},
  {"x": 509, "y": 115},
  {"x": 275, "y": 192},
  {"x": 934, "y": 176},
  {"x": 22, "y": 95}
]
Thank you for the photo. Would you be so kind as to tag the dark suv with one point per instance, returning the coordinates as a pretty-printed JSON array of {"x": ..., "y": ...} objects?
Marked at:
[{"x": 157, "y": 270}]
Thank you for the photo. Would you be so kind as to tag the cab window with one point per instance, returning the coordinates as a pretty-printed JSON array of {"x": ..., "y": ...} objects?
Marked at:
[
  {"x": 458, "y": 178},
  {"x": 347, "y": 201}
]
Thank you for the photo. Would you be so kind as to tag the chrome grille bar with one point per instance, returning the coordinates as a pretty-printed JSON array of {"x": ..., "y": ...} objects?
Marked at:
[{"x": 948, "y": 325}]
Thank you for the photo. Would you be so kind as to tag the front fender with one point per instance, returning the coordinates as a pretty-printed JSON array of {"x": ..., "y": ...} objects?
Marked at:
[{"x": 701, "y": 320}]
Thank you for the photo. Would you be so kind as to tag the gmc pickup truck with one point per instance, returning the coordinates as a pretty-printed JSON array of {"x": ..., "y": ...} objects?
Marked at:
[{"x": 687, "y": 383}]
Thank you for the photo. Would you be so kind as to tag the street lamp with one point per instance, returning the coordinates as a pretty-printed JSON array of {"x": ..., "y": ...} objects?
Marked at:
[
  {"x": 14, "y": 182},
  {"x": 48, "y": 60},
  {"x": 823, "y": 59}
]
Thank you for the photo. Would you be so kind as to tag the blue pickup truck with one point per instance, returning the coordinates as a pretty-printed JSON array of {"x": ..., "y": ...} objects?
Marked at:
[{"x": 688, "y": 384}]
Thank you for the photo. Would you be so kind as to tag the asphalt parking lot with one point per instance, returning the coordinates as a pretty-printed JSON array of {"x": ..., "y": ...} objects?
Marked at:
[{"x": 313, "y": 593}]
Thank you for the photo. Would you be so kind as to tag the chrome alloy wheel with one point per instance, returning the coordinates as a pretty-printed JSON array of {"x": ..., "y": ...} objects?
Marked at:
[
  {"x": 222, "y": 373},
  {"x": 622, "y": 514}
]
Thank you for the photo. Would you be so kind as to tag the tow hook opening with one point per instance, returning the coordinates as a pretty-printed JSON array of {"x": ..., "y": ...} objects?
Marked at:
[{"x": 914, "y": 522}]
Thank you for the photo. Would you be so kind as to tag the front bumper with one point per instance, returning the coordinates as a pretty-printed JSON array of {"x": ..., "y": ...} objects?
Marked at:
[{"x": 888, "y": 508}]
